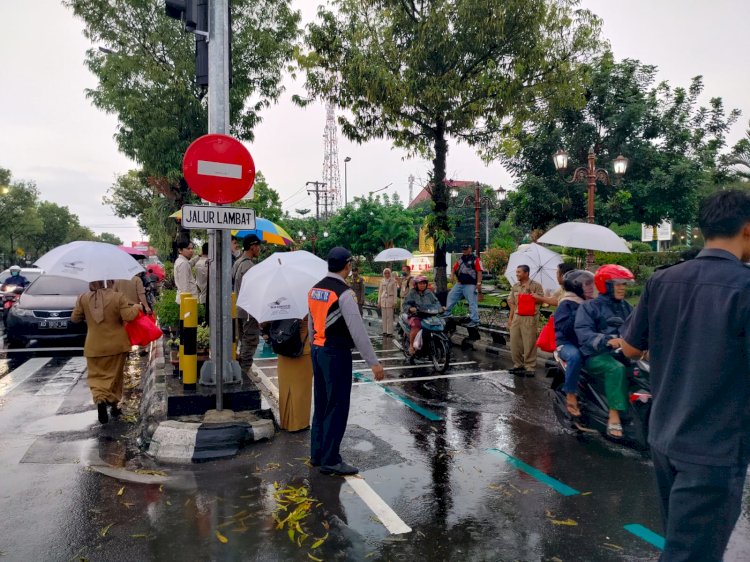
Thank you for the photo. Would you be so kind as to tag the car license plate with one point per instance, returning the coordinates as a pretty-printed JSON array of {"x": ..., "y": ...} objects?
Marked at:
[{"x": 54, "y": 324}]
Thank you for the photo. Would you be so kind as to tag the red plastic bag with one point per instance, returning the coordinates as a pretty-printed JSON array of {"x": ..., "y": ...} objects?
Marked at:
[
  {"x": 526, "y": 305},
  {"x": 143, "y": 330},
  {"x": 546, "y": 340}
]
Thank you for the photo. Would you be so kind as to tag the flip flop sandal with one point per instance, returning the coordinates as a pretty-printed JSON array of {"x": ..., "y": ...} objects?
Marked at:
[
  {"x": 573, "y": 410},
  {"x": 614, "y": 427}
]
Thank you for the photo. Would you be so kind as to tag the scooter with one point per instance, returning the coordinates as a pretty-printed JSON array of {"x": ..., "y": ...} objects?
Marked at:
[
  {"x": 592, "y": 402},
  {"x": 9, "y": 295},
  {"x": 436, "y": 347}
]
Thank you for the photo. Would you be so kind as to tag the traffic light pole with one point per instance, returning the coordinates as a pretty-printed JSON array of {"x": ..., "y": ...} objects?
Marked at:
[{"x": 219, "y": 240}]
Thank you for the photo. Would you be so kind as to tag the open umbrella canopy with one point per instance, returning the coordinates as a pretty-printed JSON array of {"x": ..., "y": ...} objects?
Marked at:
[
  {"x": 267, "y": 231},
  {"x": 394, "y": 254},
  {"x": 586, "y": 236},
  {"x": 276, "y": 288},
  {"x": 542, "y": 265},
  {"x": 89, "y": 261},
  {"x": 133, "y": 251}
]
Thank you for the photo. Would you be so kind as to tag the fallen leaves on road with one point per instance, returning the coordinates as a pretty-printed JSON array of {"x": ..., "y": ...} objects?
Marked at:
[
  {"x": 103, "y": 532},
  {"x": 150, "y": 472},
  {"x": 614, "y": 547},
  {"x": 222, "y": 538},
  {"x": 121, "y": 491},
  {"x": 293, "y": 506},
  {"x": 566, "y": 522}
]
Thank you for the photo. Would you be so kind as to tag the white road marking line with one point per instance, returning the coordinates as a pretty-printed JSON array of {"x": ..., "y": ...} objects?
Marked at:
[
  {"x": 266, "y": 381},
  {"x": 382, "y": 510},
  {"x": 433, "y": 377},
  {"x": 396, "y": 358},
  {"x": 65, "y": 378},
  {"x": 425, "y": 366},
  {"x": 19, "y": 375}
]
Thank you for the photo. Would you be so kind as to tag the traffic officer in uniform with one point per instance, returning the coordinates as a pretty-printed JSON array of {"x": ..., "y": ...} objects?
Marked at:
[{"x": 336, "y": 327}]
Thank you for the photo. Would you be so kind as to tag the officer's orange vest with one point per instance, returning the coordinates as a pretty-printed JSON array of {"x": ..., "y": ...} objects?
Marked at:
[{"x": 329, "y": 326}]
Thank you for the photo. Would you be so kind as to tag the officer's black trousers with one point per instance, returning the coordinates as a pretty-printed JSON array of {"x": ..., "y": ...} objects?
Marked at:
[
  {"x": 700, "y": 505},
  {"x": 332, "y": 387}
]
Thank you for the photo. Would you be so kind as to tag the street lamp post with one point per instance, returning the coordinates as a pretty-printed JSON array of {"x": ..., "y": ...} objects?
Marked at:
[
  {"x": 313, "y": 238},
  {"x": 346, "y": 161},
  {"x": 477, "y": 201},
  {"x": 590, "y": 174}
]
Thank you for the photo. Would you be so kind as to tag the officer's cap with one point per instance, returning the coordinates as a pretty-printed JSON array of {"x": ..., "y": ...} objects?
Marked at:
[{"x": 338, "y": 257}]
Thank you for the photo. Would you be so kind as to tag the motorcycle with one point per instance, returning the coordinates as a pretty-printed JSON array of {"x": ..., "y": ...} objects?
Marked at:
[
  {"x": 592, "y": 401},
  {"x": 9, "y": 294},
  {"x": 436, "y": 347}
]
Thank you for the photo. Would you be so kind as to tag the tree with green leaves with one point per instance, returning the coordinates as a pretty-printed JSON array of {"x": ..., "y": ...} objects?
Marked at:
[
  {"x": 18, "y": 209},
  {"x": 146, "y": 76},
  {"x": 109, "y": 238},
  {"x": 58, "y": 222},
  {"x": 740, "y": 158},
  {"x": 422, "y": 73},
  {"x": 674, "y": 147}
]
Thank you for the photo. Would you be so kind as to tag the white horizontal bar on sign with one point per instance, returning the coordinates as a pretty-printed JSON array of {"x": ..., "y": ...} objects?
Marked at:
[{"x": 219, "y": 169}]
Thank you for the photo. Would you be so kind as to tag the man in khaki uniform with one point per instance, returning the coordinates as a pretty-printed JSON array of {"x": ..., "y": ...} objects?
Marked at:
[
  {"x": 249, "y": 327},
  {"x": 523, "y": 329}
]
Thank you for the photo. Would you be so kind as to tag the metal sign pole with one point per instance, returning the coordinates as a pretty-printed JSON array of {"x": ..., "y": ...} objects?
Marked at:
[{"x": 218, "y": 122}]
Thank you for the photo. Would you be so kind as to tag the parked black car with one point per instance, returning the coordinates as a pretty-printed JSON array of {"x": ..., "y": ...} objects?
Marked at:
[{"x": 42, "y": 314}]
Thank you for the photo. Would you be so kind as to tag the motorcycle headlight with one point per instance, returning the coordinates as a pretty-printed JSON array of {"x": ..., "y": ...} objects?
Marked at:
[{"x": 20, "y": 312}]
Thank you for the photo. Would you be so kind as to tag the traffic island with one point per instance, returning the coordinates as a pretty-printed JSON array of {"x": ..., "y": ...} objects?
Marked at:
[{"x": 181, "y": 426}]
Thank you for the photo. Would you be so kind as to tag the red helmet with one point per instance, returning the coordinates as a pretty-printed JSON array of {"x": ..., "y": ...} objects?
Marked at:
[
  {"x": 611, "y": 272},
  {"x": 420, "y": 279}
]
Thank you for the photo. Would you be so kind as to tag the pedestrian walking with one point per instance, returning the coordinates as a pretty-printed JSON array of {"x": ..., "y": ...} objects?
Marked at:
[
  {"x": 467, "y": 284},
  {"x": 335, "y": 327},
  {"x": 387, "y": 301},
  {"x": 134, "y": 291},
  {"x": 358, "y": 286},
  {"x": 107, "y": 344},
  {"x": 295, "y": 384},
  {"x": 524, "y": 322},
  {"x": 184, "y": 279},
  {"x": 694, "y": 320},
  {"x": 249, "y": 328}
]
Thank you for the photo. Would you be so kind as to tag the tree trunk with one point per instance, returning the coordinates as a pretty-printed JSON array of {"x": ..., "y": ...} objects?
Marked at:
[{"x": 440, "y": 205}]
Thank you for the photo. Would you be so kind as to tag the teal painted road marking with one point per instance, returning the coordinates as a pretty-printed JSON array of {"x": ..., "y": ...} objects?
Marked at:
[
  {"x": 432, "y": 416},
  {"x": 646, "y": 534},
  {"x": 556, "y": 485}
]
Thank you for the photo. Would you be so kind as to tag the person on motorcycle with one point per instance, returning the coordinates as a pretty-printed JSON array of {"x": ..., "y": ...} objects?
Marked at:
[
  {"x": 419, "y": 297},
  {"x": 16, "y": 278},
  {"x": 578, "y": 286},
  {"x": 597, "y": 327}
]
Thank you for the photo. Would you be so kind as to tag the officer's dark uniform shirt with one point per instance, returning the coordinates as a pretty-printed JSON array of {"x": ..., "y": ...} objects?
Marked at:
[{"x": 694, "y": 318}]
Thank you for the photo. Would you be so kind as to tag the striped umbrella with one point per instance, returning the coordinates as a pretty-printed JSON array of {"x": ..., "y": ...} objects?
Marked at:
[{"x": 267, "y": 231}]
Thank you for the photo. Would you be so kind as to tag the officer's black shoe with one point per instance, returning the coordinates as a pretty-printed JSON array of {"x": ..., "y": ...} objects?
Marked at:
[
  {"x": 516, "y": 370},
  {"x": 101, "y": 409},
  {"x": 529, "y": 374},
  {"x": 114, "y": 411},
  {"x": 341, "y": 469}
]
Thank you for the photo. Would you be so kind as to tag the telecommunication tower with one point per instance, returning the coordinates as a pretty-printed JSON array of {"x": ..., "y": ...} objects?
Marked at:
[{"x": 331, "y": 174}]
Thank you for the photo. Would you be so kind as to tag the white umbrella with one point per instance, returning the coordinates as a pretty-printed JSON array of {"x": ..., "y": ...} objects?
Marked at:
[
  {"x": 89, "y": 261},
  {"x": 276, "y": 288},
  {"x": 586, "y": 236},
  {"x": 394, "y": 254},
  {"x": 542, "y": 265}
]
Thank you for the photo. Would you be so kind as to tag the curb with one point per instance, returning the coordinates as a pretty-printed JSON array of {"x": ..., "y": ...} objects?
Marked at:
[{"x": 173, "y": 441}]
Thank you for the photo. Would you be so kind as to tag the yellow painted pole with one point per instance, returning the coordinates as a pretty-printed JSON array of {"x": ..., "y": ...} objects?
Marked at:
[{"x": 190, "y": 336}]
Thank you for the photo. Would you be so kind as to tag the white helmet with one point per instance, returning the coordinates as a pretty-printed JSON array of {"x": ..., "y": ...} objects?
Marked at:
[{"x": 15, "y": 269}]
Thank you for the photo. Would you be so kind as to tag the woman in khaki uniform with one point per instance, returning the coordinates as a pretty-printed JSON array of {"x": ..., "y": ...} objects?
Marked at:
[
  {"x": 295, "y": 386},
  {"x": 107, "y": 343},
  {"x": 387, "y": 300}
]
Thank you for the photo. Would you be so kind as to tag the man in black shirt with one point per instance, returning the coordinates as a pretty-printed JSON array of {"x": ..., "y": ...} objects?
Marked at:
[{"x": 694, "y": 320}]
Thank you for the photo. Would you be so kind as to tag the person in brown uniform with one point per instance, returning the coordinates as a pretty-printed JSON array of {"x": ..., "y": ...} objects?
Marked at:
[
  {"x": 296, "y": 385},
  {"x": 358, "y": 286},
  {"x": 523, "y": 323},
  {"x": 134, "y": 291},
  {"x": 107, "y": 344}
]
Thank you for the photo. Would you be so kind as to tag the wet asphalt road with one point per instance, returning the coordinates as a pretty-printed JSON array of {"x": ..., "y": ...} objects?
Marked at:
[{"x": 69, "y": 490}]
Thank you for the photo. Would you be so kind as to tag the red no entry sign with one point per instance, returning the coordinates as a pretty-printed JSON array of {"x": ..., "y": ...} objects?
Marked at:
[{"x": 218, "y": 168}]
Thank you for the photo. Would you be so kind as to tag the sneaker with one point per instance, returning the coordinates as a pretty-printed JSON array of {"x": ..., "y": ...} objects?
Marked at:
[
  {"x": 101, "y": 409},
  {"x": 341, "y": 469}
]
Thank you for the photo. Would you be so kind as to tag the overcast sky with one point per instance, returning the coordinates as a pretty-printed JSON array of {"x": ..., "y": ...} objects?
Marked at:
[{"x": 51, "y": 134}]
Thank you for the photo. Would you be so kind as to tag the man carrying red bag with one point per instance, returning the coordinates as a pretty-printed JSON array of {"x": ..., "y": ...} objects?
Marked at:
[{"x": 523, "y": 322}]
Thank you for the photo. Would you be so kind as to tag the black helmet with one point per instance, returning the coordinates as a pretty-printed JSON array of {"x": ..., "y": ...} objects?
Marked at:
[{"x": 580, "y": 282}]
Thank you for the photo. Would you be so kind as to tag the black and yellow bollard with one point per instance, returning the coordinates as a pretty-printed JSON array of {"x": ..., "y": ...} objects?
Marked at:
[
  {"x": 190, "y": 338},
  {"x": 181, "y": 335},
  {"x": 235, "y": 327}
]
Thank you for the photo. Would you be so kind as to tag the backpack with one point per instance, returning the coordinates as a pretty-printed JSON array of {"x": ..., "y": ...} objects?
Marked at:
[{"x": 285, "y": 339}]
